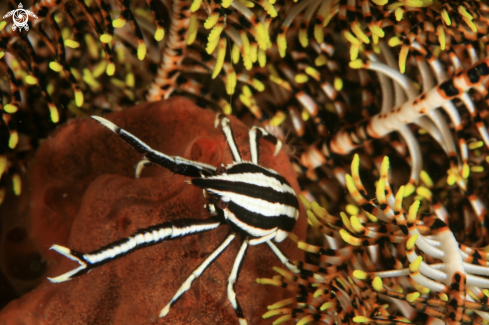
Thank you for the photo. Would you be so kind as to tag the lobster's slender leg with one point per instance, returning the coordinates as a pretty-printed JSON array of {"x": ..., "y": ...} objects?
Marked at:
[
  {"x": 197, "y": 272},
  {"x": 282, "y": 257},
  {"x": 140, "y": 166},
  {"x": 228, "y": 133},
  {"x": 255, "y": 134},
  {"x": 233, "y": 277}
]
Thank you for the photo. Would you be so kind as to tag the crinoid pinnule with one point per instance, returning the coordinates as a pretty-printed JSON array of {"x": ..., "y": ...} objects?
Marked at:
[{"x": 392, "y": 253}]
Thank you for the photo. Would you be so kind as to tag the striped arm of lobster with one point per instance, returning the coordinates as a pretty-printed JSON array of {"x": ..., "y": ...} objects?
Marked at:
[
  {"x": 144, "y": 237},
  {"x": 176, "y": 164}
]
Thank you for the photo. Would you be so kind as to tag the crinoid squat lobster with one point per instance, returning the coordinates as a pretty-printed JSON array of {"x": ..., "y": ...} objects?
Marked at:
[{"x": 256, "y": 202}]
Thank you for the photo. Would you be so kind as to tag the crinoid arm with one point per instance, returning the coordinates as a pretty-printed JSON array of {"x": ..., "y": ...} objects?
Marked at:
[
  {"x": 144, "y": 237},
  {"x": 176, "y": 164}
]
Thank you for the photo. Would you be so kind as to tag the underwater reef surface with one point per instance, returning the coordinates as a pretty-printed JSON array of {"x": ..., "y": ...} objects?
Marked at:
[
  {"x": 83, "y": 195},
  {"x": 332, "y": 79}
]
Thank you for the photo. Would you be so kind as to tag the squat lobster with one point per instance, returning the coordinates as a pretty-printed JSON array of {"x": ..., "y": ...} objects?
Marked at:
[{"x": 256, "y": 202}]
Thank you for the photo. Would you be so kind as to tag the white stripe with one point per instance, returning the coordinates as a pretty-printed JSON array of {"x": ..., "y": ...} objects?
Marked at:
[
  {"x": 108, "y": 124},
  {"x": 253, "y": 145},
  {"x": 258, "y": 241},
  {"x": 148, "y": 237},
  {"x": 256, "y": 179},
  {"x": 245, "y": 162},
  {"x": 181, "y": 231},
  {"x": 165, "y": 232},
  {"x": 67, "y": 275},
  {"x": 125, "y": 247},
  {"x": 97, "y": 257},
  {"x": 156, "y": 235},
  {"x": 139, "y": 239},
  {"x": 111, "y": 252},
  {"x": 91, "y": 258},
  {"x": 102, "y": 256},
  {"x": 65, "y": 252},
  {"x": 193, "y": 229},
  {"x": 258, "y": 205}
]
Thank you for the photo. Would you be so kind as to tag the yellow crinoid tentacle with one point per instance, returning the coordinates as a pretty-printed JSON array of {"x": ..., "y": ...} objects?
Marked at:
[
  {"x": 221, "y": 53},
  {"x": 213, "y": 39}
]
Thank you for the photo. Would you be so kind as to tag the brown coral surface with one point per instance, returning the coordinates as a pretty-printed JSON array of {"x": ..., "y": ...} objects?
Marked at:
[{"x": 83, "y": 195}]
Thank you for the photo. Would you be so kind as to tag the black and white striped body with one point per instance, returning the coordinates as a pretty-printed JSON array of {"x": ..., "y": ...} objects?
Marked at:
[
  {"x": 255, "y": 201},
  {"x": 259, "y": 200}
]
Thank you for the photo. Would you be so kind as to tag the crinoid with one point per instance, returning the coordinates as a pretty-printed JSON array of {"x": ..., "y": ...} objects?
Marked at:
[{"x": 407, "y": 258}]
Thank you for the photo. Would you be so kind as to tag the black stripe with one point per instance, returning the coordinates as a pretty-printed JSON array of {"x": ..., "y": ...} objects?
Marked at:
[
  {"x": 134, "y": 142},
  {"x": 260, "y": 221},
  {"x": 270, "y": 138},
  {"x": 78, "y": 255},
  {"x": 258, "y": 135},
  {"x": 449, "y": 89},
  {"x": 482, "y": 69},
  {"x": 181, "y": 168},
  {"x": 258, "y": 192},
  {"x": 473, "y": 76},
  {"x": 437, "y": 224},
  {"x": 246, "y": 167}
]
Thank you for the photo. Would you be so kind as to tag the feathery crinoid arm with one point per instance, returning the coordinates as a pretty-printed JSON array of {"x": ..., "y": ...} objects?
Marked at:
[{"x": 349, "y": 138}]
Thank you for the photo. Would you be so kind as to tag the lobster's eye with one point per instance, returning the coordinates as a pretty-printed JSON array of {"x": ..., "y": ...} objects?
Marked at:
[{"x": 222, "y": 204}]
